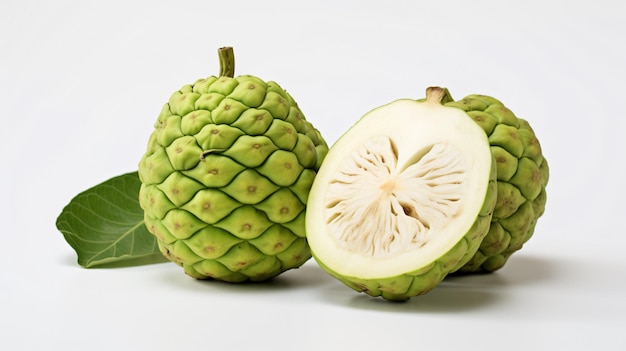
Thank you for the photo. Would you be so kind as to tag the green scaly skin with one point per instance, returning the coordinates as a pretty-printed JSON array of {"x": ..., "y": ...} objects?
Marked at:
[
  {"x": 226, "y": 176},
  {"x": 522, "y": 173}
]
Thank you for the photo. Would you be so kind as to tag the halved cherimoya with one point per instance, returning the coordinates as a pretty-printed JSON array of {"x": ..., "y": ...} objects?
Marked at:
[{"x": 403, "y": 198}]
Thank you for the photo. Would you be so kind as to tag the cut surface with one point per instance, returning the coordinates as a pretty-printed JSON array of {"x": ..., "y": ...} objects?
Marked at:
[
  {"x": 399, "y": 190},
  {"x": 375, "y": 208}
]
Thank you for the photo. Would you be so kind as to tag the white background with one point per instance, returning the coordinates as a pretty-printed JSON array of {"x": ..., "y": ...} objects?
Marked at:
[{"x": 81, "y": 84}]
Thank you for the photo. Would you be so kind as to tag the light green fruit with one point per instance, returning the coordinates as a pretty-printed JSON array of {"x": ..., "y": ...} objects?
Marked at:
[
  {"x": 522, "y": 173},
  {"x": 403, "y": 198},
  {"x": 226, "y": 177}
]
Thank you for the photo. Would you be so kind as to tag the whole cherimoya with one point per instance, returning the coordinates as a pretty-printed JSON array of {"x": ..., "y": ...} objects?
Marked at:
[
  {"x": 522, "y": 173},
  {"x": 226, "y": 177}
]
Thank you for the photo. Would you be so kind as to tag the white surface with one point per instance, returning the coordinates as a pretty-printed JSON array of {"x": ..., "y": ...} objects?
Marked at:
[{"x": 81, "y": 84}]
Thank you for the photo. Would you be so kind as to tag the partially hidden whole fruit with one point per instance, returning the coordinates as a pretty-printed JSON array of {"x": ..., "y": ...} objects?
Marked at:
[
  {"x": 226, "y": 177},
  {"x": 403, "y": 198},
  {"x": 522, "y": 173}
]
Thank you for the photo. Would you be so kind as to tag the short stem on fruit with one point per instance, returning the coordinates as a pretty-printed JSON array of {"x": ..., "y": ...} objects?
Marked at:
[
  {"x": 227, "y": 61},
  {"x": 438, "y": 95}
]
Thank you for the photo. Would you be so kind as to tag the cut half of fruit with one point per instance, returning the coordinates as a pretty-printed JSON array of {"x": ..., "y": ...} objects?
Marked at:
[{"x": 403, "y": 198}]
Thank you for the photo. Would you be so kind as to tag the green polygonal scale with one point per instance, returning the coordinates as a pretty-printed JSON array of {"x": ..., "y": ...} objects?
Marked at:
[{"x": 226, "y": 177}]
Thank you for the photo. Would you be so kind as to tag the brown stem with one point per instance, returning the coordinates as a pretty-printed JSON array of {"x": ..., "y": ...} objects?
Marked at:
[{"x": 438, "y": 95}]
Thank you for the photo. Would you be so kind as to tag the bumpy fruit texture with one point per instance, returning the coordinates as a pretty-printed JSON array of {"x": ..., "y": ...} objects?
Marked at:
[
  {"x": 522, "y": 173},
  {"x": 226, "y": 178}
]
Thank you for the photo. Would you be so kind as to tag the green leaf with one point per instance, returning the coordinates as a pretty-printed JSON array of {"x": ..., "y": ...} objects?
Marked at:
[{"x": 105, "y": 225}]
